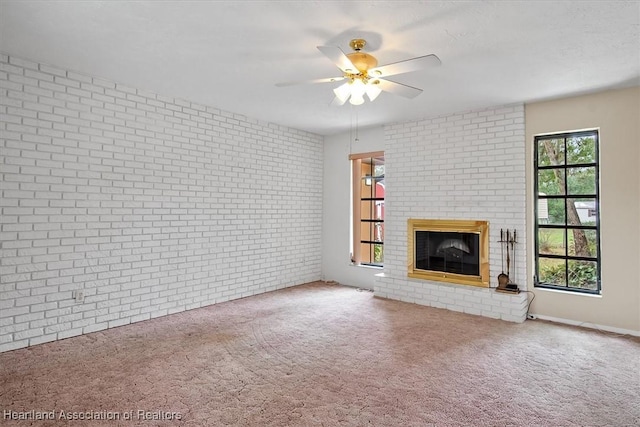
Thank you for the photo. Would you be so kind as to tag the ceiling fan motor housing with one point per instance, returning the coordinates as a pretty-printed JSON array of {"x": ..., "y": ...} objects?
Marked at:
[{"x": 362, "y": 61}]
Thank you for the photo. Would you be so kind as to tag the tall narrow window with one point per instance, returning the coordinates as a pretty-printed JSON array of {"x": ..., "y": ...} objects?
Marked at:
[
  {"x": 567, "y": 220},
  {"x": 368, "y": 208}
]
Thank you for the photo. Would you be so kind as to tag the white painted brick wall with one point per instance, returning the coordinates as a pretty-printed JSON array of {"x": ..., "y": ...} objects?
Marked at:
[
  {"x": 151, "y": 205},
  {"x": 463, "y": 166}
]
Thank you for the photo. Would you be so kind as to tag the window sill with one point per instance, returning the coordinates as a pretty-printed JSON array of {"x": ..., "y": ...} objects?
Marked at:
[
  {"x": 560, "y": 291},
  {"x": 375, "y": 267}
]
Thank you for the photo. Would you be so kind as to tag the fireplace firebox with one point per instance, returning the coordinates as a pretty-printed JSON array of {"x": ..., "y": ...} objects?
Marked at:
[{"x": 454, "y": 251}]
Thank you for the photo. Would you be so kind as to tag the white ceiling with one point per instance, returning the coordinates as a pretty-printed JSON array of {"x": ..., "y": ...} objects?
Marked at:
[{"x": 230, "y": 54}]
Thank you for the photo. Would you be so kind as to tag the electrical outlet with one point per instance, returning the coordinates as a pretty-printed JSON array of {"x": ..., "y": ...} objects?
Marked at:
[{"x": 78, "y": 295}]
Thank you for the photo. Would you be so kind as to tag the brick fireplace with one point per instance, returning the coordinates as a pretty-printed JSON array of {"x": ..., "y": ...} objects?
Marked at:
[{"x": 465, "y": 167}]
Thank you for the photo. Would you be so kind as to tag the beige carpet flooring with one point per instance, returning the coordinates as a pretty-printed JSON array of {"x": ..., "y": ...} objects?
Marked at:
[{"x": 326, "y": 355}]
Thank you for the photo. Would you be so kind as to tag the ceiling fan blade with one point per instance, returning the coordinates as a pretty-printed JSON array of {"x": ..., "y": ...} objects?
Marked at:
[
  {"x": 399, "y": 89},
  {"x": 407, "y": 66},
  {"x": 337, "y": 56},
  {"x": 327, "y": 80}
]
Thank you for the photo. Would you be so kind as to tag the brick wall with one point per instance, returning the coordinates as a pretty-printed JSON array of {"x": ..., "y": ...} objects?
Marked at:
[
  {"x": 148, "y": 204},
  {"x": 462, "y": 166}
]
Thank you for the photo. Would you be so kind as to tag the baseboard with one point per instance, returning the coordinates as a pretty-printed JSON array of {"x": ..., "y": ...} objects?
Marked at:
[{"x": 587, "y": 325}]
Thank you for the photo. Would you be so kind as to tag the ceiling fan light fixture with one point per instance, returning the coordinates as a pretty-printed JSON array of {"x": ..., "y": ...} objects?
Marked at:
[
  {"x": 373, "y": 91},
  {"x": 355, "y": 90},
  {"x": 356, "y": 99},
  {"x": 343, "y": 92},
  {"x": 358, "y": 88}
]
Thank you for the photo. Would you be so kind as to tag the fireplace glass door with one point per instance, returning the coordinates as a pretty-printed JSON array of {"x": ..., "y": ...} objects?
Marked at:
[{"x": 449, "y": 252}]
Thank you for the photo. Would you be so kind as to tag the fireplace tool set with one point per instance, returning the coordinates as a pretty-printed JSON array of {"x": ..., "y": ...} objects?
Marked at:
[{"x": 507, "y": 242}]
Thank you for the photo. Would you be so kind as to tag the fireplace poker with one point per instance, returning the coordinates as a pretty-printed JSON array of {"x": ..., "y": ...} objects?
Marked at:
[
  {"x": 502, "y": 249},
  {"x": 508, "y": 259},
  {"x": 513, "y": 249},
  {"x": 503, "y": 279}
]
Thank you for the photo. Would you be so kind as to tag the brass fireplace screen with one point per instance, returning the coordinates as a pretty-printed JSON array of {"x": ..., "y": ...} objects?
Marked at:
[{"x": 454, "y": 251}]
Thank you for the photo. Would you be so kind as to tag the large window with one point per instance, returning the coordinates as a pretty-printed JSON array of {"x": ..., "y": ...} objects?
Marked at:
[
  {"x": 368, "y": 208},
  {"x": 567, "y": 220}
]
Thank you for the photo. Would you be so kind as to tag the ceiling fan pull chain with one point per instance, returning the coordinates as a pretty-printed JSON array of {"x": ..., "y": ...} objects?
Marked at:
[{"x": 357, "y": 137}]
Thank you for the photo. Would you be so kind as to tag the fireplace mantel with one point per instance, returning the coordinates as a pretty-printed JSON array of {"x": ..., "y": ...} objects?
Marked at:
[{"x": 453, "y": 251}]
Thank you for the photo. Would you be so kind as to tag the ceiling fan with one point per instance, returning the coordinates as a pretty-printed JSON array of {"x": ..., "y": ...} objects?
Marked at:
[{"x": 363, "y": 75}]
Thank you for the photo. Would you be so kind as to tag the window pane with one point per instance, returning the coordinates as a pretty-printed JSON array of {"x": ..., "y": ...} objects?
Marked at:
[
  {"x": 367, "y": 231},
  {"x": 366, "y": 180},
  {"x": 550, "y": 152},
  {"x": 379, "y": 188},
  {"x": 552, "y": 271},
  {"x": 556, "y": 212},
  {"x": 378, "y": 169},
  {"x": 582, "y": 211},
  {"x": 372, "y": 231},
  {"x": 551, "y": 241},
  {"x": 366, "y": 253},
  {"x": 366, "y": 188},
  {"x": 379, "y": 209},
  {"x": 583, "y": 274},
  {"x": 378, "y": 231},
  {"x": 550, "y": 182},
  {"x": 367, "y": 167},
  {"x": 582, "y": 243},
  {"x": 371, "y": 253},
  {"x": 581, "y": 180},
  {"x": 581, "y": 149},
  {"x": 366, "y": 209},
  {"x": 592, "y": 240},
  {"x": 543, "y": 211},
  {"x": 378, "y": 254}
]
